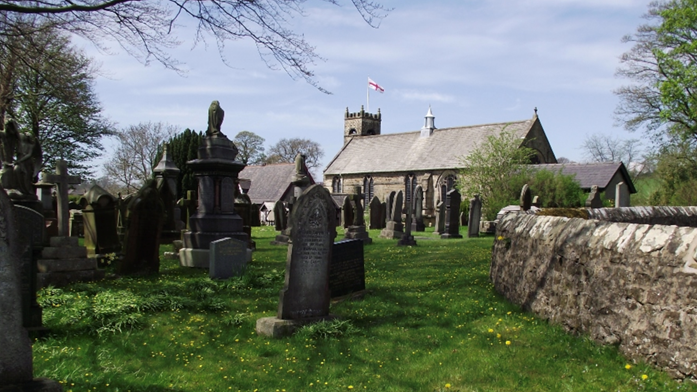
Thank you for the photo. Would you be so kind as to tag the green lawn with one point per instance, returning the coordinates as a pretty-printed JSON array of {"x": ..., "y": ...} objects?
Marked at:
[{"x": 430, "y": 322}]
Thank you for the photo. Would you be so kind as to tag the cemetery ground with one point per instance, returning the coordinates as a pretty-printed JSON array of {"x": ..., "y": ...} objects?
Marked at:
[{"x": 431, "y": 321}]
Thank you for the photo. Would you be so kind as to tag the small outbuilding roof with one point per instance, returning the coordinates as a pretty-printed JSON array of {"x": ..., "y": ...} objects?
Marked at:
[
  {"x": 589, "y": 174},
  {"x": 269, "y": 183},
  {"x": 399, "y": 152}
]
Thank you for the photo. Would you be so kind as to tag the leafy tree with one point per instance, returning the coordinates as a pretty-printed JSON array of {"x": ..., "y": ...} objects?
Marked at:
[
  {"x": 136, "y": 154},
  {"x": 250, "y": 148},
  {"x": 663, "y": 100},
  {"x": 285, "y": 151},
  {"x": 497, "y": 170},
  {"x": 146, "y": 28},
  {"x": 50, "y": 92},
  {"x": 662, "y": 63}
]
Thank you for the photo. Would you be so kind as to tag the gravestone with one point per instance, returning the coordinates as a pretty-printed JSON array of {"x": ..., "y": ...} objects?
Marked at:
[
  {"x": 99, "y": 219},
  {"x": 525, "y": 198},
  {"x": 383, "y": 215},
  {"x": 29, "y": 225},
  {"x": 535, "y": 202},
  {"x": 389, "y": 202},
  {"x": 393, "y": 226},
  {"x": 243, "y": 206},
  {"x": 305, "y": 297},
  {"x": 347, "y": 273},
  {"x": 16, "y": 372},
  {"x": 227, "y": 258},
  {"x": 357, "y": 228},
  {"x": 440, "y": 224},
  {"x": 594, "y": 199},
  {"x": 166, "y": 174},
  {"x": 375, "y": 214},
  {"x": 463, "y": 219},
  {"x": 474, "y": 216},
  {"x": 144, "y": 219},
  {"x": 347, "y": 212},
  {"x": 279, "y": 216},
  {"x": 407, "y": 239},
  {"x": 48, "y": 202},
  {"x": 452, "y": 224},
  {"x": 418, "y": 217},
  {"x": 76, "y": 226},
  {"x": 62, "y": 181},
  {"x": 622, "y": 195},
  {"x": 281, "y": 221}
]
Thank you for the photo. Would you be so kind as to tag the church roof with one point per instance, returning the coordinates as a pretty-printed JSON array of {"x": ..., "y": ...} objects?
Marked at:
[
  {"x": 269, "y": 183},
  {"x": 589, "y": 174},
  {"x": 400, "y": 152}
]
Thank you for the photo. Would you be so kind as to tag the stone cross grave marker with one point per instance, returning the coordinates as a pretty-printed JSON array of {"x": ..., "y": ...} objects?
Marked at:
[
  {"x": 474, "y": 216},
  {"x": 227, "y": 258},
  {"x": 62, "y": 181}
]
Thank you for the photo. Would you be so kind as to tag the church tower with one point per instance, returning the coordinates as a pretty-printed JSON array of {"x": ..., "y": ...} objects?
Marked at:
[{"x": 361, "y": 124}]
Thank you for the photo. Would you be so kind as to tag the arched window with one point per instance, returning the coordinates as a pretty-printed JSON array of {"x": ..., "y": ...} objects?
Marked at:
[
  {"x": 410, "y": 184},
  {"x": 337, "y": 184},
  {"x": 448, "y": 183},
  {"x": 368, "y": 190}
]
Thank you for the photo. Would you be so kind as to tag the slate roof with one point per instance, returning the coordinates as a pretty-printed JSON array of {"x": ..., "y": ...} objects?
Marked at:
[
  {"x": 400, "y": 152},
  {"x": 588, "y": 174},
  {"x": 269, "y": 182}
]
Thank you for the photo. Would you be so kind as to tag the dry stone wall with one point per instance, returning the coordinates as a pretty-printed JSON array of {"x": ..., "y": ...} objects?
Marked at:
[{"x": 628, "y": 284}]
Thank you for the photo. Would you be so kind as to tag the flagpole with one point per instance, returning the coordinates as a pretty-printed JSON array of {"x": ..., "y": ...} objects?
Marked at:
[{"x": 368, "y": 106}]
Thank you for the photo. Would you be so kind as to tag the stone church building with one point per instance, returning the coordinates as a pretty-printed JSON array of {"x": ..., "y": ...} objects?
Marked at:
[{"x": 430, "y": 157}]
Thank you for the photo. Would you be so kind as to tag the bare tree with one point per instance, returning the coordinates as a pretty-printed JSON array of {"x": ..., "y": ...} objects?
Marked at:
[
  {"x": 146, "y": 28},
  {"x": 133, "y": 161},
  {"x": 603, "y": 148},
  {"x": 285, "y": 150},
  {"x": 250, "y": 148}
]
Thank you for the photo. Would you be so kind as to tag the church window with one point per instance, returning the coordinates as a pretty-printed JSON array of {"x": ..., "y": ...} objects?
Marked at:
[
  {"x": 368, "y": 190},
  {"x": 410, "y": 185},
  {"x": 337, "y": 184}
]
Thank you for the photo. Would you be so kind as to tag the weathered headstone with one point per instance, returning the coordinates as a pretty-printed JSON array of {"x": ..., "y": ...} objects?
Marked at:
[
  {"x": 474, "y": 215},
  {"x": 407, "y": 239},
  {"x": 243, "y": 206},
  {"x": 16, "y": 348},
  {"x": 393, "y": 226},
  {"x": 99, "y": 219},
  {"x": 525, "y": 198},
  {"x": 357, "y": 228},
  {"x": 29, "y": 225},
  {"x": 452, "y": 226},
  {"x": 594, "y": 199},
  {"x": 535, "y": 202},
  {"x": 347, "y": 273},
  {"x": 227, "y": 258},
  {"x": 389, "y": 203},
  {"x": 347, "y": 212},
  {"x": 305, "y": 297},
  {"x": 418, "y": 217},
  {"x": 76, "y": 226},
  {"x": 279, "y": 216},
  {"x": 440, "y": 224},
  {"x": 375, "y": 214},
  {"x": 622, "y": 195},
  {"x": 62, "y": 181},
  {"x": 144, "y": 218}
]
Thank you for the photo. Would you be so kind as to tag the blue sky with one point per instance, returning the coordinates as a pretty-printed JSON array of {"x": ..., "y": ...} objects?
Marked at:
[{"x": 474, "y": 62}]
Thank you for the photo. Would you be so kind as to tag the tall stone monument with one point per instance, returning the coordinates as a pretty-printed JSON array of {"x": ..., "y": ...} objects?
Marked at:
[
  {"x": 452, "y": 224},
  {"x": 474, "y": 216},
  {"x": 305, "y": 297},
  {"x": 166, "y": 174},
  {"x": 216, "y": 171}
]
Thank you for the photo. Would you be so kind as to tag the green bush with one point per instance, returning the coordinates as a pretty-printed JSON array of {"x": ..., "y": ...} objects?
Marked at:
[{"x": 556, "y": 190}]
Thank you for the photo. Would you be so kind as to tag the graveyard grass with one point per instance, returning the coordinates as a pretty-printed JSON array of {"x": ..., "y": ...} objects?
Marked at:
[{"x": 431, "y": 321}]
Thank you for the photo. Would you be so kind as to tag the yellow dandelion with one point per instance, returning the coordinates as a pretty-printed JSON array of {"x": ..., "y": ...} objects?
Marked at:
[
  {"x": 350, "y": 387},
  {"x": 448, "y": 385},
  {"x": 644, "y": 377},
  {"x": 627, "y": 366},
  {"x": 490, "y": 330},
  {"x": 508, "y": 343},
  {"x": 500, "y": 238}
]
